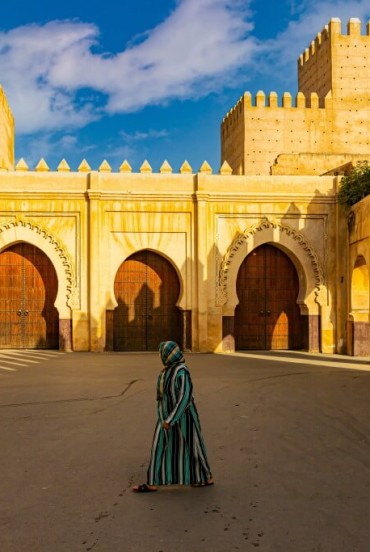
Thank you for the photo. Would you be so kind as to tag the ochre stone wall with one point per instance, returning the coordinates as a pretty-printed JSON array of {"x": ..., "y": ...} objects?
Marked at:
[
  {"x": 6, "y": 134},
  {"x": 96, "y": 220},
  {"x": 88, "y": 222},
  {"x": 338, "y": 63},
  {"x": 329, "y": 117},
  {"x": 358, "y": 274}
]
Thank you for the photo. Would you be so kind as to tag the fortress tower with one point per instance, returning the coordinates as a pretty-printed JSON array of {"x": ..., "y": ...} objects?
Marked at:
[
  {"x": 6, "y": 134},
  {"x": 328, "y": 124}
]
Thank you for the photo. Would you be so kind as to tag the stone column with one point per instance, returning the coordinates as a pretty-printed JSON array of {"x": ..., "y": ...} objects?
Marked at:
[
  {"x": 109, "y": 337},
  {"x": 65, "y": 334},
  {"x": 359, "y": 335},
  {"x": 96, "y": 264},
  {"x": 186, "y": 330},
  {"x": 228, "y": 333},
  {"x": 314, "y": 333},
  {"x": 201, "y": 269}
]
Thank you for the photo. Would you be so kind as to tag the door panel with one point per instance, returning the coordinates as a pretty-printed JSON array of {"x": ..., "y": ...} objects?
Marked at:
[
  {"x": 28, "y": 289},
  {"x": 267, "y": 316},
  {"x": 146, "y": 288}
]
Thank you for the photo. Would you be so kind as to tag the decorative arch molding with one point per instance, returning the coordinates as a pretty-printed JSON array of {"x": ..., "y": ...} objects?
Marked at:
[
  {"x": 25, "y": 230},
  {"x": 292, "y": 242}
]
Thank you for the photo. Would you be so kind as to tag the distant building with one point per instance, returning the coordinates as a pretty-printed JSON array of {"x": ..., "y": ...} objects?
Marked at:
[{"x": 259, "y": 256}]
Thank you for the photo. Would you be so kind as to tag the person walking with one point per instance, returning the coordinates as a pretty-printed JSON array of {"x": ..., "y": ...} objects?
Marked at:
[{"x": 178, "y": 455}]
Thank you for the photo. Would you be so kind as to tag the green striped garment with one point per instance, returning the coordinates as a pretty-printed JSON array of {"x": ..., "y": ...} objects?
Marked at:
[{"x": 178, "y": 454}]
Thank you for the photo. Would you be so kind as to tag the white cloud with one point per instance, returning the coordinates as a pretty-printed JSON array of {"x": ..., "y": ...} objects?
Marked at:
[
  {"x": 44, "y": 68},
  {"x": 56, "y": 78},
  {"x": 139, "y": 136},
  {"x": 27, "y": 55},
  {"x": 284, "y": 51}
]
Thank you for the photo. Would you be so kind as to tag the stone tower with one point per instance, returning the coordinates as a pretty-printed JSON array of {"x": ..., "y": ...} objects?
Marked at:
[
  {"x": 328, "y": 124},
  {"x": 6, "y": 134}
]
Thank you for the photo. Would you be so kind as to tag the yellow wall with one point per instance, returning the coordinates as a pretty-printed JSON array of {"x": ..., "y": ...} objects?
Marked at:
[
  {"x": 329, "y": 116},
  {"x": 99, "y": 219},
  {"x": 6, "y": 134}
]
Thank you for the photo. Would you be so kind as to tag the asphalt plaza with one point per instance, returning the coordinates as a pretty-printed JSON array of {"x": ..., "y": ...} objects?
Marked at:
[{"x": 287, "y": 436}]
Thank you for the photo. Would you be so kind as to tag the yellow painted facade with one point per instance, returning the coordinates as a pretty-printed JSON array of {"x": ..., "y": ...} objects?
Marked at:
[{"x": 282, "y": 192}]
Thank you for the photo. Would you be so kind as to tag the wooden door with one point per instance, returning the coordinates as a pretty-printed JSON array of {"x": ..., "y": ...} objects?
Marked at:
[
  {"x": 146, "y": 288},
  {"x": 267, "y": 316},
  {"x": 28, "y": 289}
]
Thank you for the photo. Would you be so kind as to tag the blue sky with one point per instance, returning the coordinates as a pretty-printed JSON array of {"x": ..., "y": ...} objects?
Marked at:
[{"x": 146, "y": 79}]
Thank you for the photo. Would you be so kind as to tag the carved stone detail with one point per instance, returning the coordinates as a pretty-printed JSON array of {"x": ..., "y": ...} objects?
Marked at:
[
  {"x": 241, "y": 239},
  {"x": 72, "y": 291}
]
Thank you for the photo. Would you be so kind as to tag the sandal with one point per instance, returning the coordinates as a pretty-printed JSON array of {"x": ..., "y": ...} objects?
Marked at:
[
  {"x": 208, "y": 483},
  {"x": 144, "y": 488}
]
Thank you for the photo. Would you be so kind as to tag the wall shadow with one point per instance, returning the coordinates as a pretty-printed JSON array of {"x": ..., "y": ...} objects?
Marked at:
[{"x": 147, "y": 289}]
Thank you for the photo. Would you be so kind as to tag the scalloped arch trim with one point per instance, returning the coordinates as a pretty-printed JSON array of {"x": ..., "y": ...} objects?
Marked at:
[
  {"x": 26, "y": 230},
  {"x": 222, "y": 292}
]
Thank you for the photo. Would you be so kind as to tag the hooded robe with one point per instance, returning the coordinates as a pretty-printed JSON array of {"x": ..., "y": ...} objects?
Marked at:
[{"x": 178, "y": 453}]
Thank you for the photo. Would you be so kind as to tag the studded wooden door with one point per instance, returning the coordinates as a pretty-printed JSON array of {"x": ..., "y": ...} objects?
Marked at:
[
  {"x": 28, "y": 289},
  {"x": 146, "y": 288},
  {"x": 267, "y": 316}
]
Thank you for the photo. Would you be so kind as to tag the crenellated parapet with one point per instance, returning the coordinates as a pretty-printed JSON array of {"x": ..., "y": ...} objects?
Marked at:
[
  {"x": 338, "y": 62},
  {"x": 125, "y": 168},
  {"x": 328, "y": 118},
  {"x": 270, "y": 102},
  {"x": 334, "y": 29}
]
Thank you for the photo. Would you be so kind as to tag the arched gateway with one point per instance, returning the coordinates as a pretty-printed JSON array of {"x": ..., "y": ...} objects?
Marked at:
[
  {"x": 267, "y": 316},
  {"x": 28, "y": 286},
  {"x": 146, "y": 288}
]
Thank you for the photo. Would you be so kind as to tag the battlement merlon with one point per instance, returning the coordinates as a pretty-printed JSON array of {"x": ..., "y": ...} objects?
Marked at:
[
  {"x": 334, "y": 28},
  {"x": 270, "y": 102},
  {"x": 6, "y": 133}
]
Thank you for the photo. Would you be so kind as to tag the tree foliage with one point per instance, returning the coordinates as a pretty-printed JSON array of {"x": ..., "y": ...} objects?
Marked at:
[{"x": 355, "y": 185}]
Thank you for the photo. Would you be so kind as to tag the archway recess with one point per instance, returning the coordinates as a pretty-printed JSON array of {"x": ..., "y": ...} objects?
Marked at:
[
  {"x": 310, "y": 272},
  {"x": 146, "y": 289},
  {"x": 19, "y": 230},
  {"x": 25, "y": 230},
  {"x": 28, "y": 283},
  {"x": 312, "y": 294},
  {"x": 268, "y": 316}
]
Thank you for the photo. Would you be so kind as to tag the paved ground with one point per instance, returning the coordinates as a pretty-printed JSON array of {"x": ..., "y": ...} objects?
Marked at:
[{"x": 288, "y": 440}]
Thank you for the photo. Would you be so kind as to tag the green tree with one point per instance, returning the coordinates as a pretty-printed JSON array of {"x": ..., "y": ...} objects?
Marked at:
[{"x": 355, "y": 185}]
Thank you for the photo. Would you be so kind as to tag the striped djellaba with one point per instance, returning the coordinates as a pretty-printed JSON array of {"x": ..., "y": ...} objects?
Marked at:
[{"x": 178, "y": 454}]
